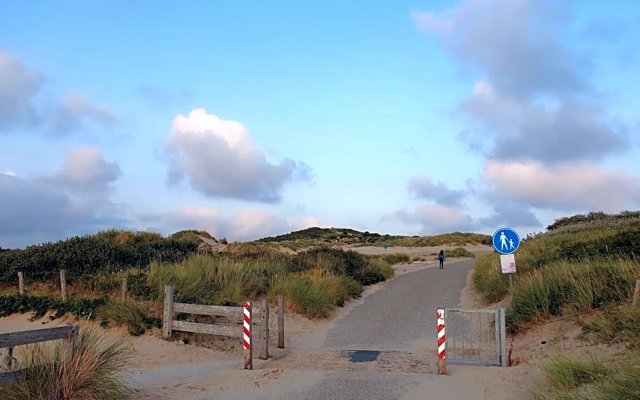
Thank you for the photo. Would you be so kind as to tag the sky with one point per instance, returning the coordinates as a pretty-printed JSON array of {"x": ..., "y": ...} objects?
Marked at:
[{"x": 253, "y": 119}]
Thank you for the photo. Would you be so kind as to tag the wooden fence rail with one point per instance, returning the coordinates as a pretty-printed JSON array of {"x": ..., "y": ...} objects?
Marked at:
[
  {"x": 10, "y": 340},
  {"x": 231, "y": 329}
]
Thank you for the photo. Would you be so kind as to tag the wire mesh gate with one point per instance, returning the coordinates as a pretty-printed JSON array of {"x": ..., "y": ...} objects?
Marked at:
[{"x": 476, "y": 337}]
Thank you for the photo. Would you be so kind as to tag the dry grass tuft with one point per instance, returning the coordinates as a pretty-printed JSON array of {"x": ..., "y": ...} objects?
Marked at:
[{"x": 87, "y": 368}]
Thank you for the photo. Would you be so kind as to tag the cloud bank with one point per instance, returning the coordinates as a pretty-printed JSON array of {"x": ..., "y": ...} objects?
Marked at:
[
  {"x": 219, "y": 159},
  {"x": 74, "y": 201}
]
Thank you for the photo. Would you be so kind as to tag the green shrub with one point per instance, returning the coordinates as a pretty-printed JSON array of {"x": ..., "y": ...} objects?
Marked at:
[
  {"x": 109, "y": 251},
  {"x": 488, "y": 278},
  {"x": 458, "y": 252},
  {"x": 395, "y": 258},
  {"x": 87, "y": 368},
  {"x": 127, "y": 313},
  {"x": 40, "y": 305},
  {"x": 568, "y": 373}
]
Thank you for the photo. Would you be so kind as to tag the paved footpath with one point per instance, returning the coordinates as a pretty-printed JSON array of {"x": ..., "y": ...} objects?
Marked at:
[{"x": 396, "y": 326}]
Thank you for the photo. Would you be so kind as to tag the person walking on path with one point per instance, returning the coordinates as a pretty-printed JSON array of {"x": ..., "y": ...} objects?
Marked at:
[{"x": 441, "y": 259}]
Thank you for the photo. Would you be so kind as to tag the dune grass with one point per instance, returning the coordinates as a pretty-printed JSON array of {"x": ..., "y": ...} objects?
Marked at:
[
  {"x": 571, "y": 287},
  {"x": 128, "y": 313},
  {"x": 488, "y": 279},
  {"x": 571, "y": 268},
  {"x": 87, "y": 368},
  {"x": 314, "y": 282},
  {"x": 568, "y": 378}
]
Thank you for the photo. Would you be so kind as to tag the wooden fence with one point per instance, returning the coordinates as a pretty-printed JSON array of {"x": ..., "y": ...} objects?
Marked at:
[
  {"x": 231, "y": 329},
  {"x": 63, "y": 285},
  {"x": 12, "y": 339}
]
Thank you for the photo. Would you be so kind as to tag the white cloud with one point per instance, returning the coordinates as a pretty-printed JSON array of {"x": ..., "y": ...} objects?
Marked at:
[
  {"x": 18, "y": 86},
  {"x": 563, "y": 187},
  {"x": 555, "y": 131},
  {"x": 516, "y": 43},
  {"x": 423, "y": 187},
  {"x": 75, "y": 111},
  {"x": 85, "y": 169},
  {"x": 254, "y": 224},
  {"x": 220, "y": 160},
  {"x": 308, "y": 222},
  {"x": 53, "y": 208},
  {"x": 533, "y": 102},
  {"x": 248, "y": 224},
  {"x": 432, "y": 218}
]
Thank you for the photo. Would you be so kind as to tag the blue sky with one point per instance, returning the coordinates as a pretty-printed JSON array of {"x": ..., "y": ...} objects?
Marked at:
[{"x": 248, "y": 120}]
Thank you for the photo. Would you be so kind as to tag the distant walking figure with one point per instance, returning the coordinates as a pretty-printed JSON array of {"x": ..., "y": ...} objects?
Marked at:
[
  {"x": 441, "y": 259},
  {"x": 503, "y": 241}
]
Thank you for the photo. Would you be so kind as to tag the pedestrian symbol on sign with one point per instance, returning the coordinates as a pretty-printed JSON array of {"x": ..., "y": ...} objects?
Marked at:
[{"x": 506, "y": 241}]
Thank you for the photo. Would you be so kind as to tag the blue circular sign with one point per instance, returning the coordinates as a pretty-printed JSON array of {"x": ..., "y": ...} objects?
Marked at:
[{"x": 506, "y": 241}]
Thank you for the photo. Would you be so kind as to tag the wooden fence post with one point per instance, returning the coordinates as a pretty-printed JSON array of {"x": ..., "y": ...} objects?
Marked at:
[
  {"x": 20, "y": 282},
  {"x": 124, "y": 289},
  {"x": 63, "y": 284},
  {"x": 167, "y": 315},
  {"x": 636, "y": 293},
  {"x": 264, "y": 351},
  {"x": 281, "y": 322}
]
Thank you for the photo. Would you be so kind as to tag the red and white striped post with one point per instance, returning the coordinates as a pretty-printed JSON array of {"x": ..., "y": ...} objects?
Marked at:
[
  {"x": 246, "y": 343},
  {"x": 442, "y": 362}
]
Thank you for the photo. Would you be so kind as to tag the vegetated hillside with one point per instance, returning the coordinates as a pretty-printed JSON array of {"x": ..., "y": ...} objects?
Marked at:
[
  {"x": 343, "y": 236},
  {"x": 586, "y": 266},
  {"x": 107, "y": 251},
  {"x": 583, "y": 262}
]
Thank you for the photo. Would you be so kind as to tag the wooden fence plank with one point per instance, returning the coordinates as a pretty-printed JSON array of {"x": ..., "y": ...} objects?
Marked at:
[
  {"x": 218, "y": 311},
  {"x": 221, "y": 330},
  {"x": 9, "y": 376},
  {"x": 13, "y": 339},
  {"x": 264, "y": 330},
  {"x": 636, "y": 293}
]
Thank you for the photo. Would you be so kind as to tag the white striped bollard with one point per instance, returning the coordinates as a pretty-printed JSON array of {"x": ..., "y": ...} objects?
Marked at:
[
  {"x": 442, "y": 339},
  {"x": 246, "y": 342}
]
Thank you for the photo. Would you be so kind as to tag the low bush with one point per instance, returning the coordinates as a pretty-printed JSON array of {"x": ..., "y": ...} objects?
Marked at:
[
  {"x": 127, "y": 313},
  {"x": 395, "y": 258},
  {"x": 488, "y": 278},
  {"x": 88, "y": 367},
  {"x": 108, "y": 251},
  {"x": 458, "y": 252},
  {"x": 40, "y": 305}
]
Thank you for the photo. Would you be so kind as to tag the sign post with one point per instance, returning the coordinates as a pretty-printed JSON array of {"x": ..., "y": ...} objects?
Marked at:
[{"x": 506, "y": 241}]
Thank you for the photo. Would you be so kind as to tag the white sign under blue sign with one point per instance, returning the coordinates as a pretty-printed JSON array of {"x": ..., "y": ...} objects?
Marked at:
[{"x": 506, "y": 241}]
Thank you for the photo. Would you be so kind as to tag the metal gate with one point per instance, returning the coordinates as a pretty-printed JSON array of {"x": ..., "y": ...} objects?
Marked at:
[{"x": 476, "y": 337}]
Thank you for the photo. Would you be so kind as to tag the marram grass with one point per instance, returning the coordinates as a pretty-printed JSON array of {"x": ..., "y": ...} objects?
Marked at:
[{"x": 89, "y": 368}]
